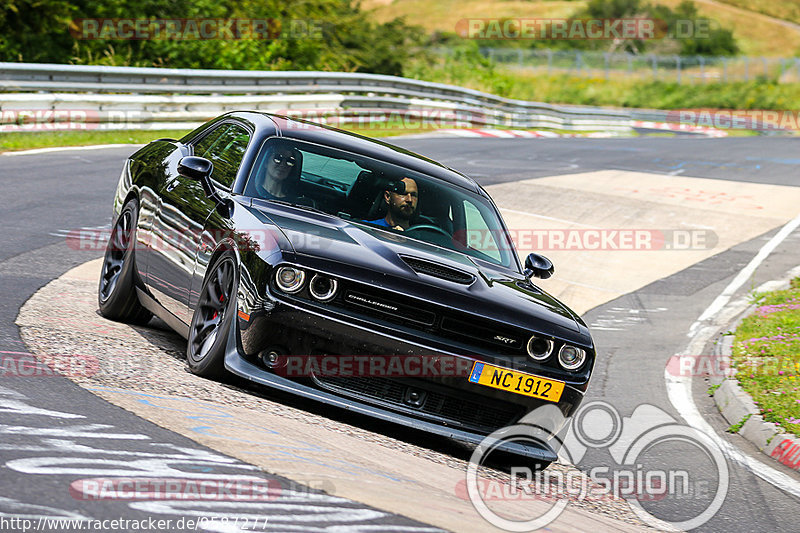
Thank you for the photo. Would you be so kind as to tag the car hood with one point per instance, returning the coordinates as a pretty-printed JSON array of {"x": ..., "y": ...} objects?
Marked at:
[{"x": 370, "y": 255}]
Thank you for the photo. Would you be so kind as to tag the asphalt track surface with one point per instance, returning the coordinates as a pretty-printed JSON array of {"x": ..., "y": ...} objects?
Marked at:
[{"x": 45, "y": 193}]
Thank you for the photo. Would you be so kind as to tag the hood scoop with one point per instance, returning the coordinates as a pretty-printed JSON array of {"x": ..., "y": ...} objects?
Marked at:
[{"x": 423, "y": 266}]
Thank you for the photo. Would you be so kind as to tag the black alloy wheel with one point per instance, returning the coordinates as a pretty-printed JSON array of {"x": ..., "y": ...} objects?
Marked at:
[
  {"x": 116, "y": 294},
  {"x": 211, "y": 322}
]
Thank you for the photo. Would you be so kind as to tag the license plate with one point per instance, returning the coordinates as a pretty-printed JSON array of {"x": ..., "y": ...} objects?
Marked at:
[{"x": 516, "y": 382}]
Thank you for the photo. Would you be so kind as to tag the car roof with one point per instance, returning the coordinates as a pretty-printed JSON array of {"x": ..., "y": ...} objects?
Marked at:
[{"x": 268, "y": 125}]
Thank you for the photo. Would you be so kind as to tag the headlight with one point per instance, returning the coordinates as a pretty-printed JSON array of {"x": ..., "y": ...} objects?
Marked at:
[
  {"x": 322, "y": 287},
  {"x": 289, "y": 279},
  {"x": 570, "y": 357},
  {"x": 539, "y": 348}
]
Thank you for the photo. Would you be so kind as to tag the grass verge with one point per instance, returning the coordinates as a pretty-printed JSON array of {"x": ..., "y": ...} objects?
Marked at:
[
  {"x": 467, "y": 69},
  {"x": 50, "y": 139},
  {"x": 47, "y": 139},
  {"x": 766, "y": 354}
]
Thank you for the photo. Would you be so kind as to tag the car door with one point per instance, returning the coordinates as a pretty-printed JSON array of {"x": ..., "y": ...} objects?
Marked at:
[{"x": 181, "y": 215}]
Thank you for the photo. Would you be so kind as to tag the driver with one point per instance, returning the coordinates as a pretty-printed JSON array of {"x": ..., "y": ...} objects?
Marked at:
[{"x": 401, "y": 198}]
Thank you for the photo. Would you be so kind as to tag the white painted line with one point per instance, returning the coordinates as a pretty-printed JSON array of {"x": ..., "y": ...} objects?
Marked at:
[
  {"x": 554, "y": 219},
  {"x": 745, "y": 274},
  {"x": 524, "y": 133},
  {"x": 63, "y": 148},
  {"x": 679, "y": 388},
  {"x": 460, "y": 133}
]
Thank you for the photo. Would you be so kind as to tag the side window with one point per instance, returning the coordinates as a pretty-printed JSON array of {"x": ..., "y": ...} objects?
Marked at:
[
  {"x": 480, "y": 236},
  {"x": 317, "y": 167},
  {"x": 225, "y": 147}
]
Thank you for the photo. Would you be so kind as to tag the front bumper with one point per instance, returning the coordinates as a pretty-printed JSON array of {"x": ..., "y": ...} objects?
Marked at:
[{"x": 300, "y": 331}]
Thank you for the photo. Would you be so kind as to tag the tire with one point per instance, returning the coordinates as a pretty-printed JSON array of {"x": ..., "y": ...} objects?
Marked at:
[
  {"x": 116, "y": 292},
  {"x": 212, "y": 319}
]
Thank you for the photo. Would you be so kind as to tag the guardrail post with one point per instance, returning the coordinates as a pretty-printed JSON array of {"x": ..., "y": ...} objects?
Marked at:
[
  {"x": 678, "y": 67},
  {"x": 766, "y": 68},
  {"x": 725, "y": 69},
  {"x": 606, "y": 61},
  {"x": 746, "y": 69},
  {"x": 655, "y": 68},
  {"x": 549, "y": 61}
]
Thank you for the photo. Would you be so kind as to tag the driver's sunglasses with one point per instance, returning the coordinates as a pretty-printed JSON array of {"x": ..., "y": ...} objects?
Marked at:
[{"x": 279, "y": 158}]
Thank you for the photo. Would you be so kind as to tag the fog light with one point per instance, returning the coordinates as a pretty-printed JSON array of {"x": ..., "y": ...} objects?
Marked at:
[
  {"x": 290, "y": 279},
  {"x": 571, "y": 357},
  {"x": 539, "y": 348},
  {"x": 322, "y": 287}
]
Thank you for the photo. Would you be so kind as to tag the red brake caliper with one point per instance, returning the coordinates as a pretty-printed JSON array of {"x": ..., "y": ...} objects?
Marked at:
[{"x": 221, "y": 299}]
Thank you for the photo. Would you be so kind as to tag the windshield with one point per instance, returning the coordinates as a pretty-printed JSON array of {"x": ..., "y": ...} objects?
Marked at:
[{"x": 380, "y": 195}]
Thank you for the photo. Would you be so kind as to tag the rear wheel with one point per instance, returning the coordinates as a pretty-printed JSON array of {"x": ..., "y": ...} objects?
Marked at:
[
  {"x": 212, "y": 319},
  {"x": 116, "y": 293}
]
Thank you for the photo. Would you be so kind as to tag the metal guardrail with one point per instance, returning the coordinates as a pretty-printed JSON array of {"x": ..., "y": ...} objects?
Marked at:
[{"x": 146, "y": 95}]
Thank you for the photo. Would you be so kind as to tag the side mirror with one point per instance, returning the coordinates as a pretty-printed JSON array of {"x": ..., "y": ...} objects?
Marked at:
[
  {"x": 538, "y": 266},
  {"x": 199, "y": 169},
  {"x": 195, "y": 168}
]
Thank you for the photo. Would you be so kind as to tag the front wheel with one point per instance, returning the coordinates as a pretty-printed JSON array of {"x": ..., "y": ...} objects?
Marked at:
[
  {"x": 116, "y": 293},
  {"x": 212, "y": 319}
]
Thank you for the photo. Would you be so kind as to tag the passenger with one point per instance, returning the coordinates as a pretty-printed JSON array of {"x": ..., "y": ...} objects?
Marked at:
[
  {"x": 282, "y": 176},
  {"x": 401, "y": 200}
]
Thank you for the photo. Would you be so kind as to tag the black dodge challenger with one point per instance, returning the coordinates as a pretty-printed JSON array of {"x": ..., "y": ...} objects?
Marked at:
[{"x": 343, "y": 269}]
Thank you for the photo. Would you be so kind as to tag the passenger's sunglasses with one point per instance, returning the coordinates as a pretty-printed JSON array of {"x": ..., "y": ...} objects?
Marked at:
[{"x": 279, "y": 158}]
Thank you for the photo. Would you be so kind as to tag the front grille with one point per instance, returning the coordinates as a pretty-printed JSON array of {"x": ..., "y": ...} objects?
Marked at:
[
  {"x": 439, "y": 271},
  {"x": 486, "y": 415},
  {"x": 483, "y": 332},
  {"x": 391, "y": 307}
]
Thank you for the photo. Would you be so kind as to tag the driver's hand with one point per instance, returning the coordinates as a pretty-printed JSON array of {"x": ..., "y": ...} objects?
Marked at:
[{"x": 399, "y": 228}]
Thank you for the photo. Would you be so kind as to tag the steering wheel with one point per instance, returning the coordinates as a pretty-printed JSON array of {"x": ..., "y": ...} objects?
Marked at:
[{"x": 429, "y": 227}]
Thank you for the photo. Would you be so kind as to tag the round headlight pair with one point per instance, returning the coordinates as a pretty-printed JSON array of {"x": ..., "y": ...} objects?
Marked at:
[
  {"x": 323, "y": 288},
  {"x": 290, "y": 279},
  {"x": 539, "y": 348},
  {"x": 569, "y": 357}
]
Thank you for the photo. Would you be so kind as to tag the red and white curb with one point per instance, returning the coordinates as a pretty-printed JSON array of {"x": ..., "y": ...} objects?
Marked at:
[
  {"x": 511, "y": 134},
  {"x": 671, "y": 126}
]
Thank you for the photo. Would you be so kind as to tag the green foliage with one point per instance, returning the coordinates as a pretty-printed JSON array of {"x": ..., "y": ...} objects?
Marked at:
[
  {"x": 23, "y": 23},
  {"x": 466, "y": 68},
  {"x": 738, "y": 425},
  {"x": 713, "y": 42},
  {"x": 338, "y": 36},
  {"x": 680, "y": 31},
  {"x": 766, "y": 354}
]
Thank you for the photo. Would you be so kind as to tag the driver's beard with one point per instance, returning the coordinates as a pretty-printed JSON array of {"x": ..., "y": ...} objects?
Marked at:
[{"x": 398, "y": 216}]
